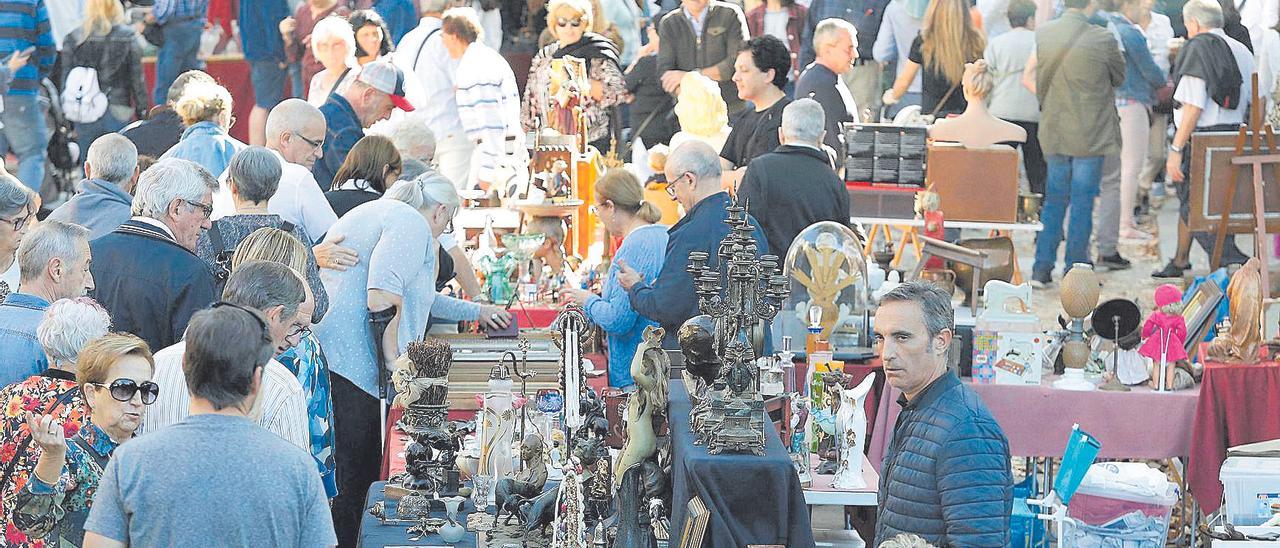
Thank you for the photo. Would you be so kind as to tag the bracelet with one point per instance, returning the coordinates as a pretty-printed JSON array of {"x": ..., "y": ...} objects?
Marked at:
[{"x": 1175, "y": 148}]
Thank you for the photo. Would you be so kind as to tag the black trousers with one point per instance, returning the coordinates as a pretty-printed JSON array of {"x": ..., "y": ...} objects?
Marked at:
[
  {"x": 358, "y": 452},
  {"x": 1032, "y": 157},
  {"x": 1231, "y": 253}
]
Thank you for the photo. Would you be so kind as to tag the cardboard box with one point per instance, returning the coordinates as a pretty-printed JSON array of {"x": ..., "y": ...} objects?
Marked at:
[
  {"x": 975, "y": 184},
  {"x": 1008, "y": 352}
]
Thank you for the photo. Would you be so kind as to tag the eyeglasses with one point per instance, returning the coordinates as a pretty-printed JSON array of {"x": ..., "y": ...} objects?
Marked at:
[
  {"x": 124, "y": 389},
  {"x": 671, "y": 186},
  {"x": 314, "y": 144},
  {"x": 18, "y": 222},
  {"x": 300, "y": 331},
  {"x": 266, "y": 332},
  {"x": 204, "y": 208},
  {"x": 575, "y": 22}
]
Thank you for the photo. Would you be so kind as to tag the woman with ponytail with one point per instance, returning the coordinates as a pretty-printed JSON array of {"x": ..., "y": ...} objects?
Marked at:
[{"x": 621, "y": 207}]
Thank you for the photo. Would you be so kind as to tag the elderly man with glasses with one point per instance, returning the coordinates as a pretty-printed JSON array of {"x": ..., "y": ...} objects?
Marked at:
[
  {"x": 150, "y": 279},
  {"x": 693, "y": 170}
]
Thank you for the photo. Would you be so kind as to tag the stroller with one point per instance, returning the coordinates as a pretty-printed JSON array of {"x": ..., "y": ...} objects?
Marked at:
[{"x": 61, "y": 167}]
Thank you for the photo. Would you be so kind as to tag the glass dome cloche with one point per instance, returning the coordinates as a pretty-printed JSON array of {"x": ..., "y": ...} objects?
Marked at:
[{"x": 828, "y": 271}]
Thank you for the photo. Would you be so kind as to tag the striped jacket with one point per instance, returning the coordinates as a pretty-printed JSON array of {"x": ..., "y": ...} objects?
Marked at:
[
  {"x": 23, "y": 24},
  {"x": 489, "y": 107}
]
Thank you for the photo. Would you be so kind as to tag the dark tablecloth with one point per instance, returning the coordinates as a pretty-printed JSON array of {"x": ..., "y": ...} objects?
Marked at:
[
  {"x": 1235, "y": 408},
  {"x": 752, "y": 500},
  {"x": 374, "y": 534}
]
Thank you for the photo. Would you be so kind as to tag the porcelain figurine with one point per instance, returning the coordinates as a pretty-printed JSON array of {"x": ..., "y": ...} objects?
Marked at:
[
  {"x": 497, "y": 426},
  {"x": 1244, "y": 338},
  {"x": 647, "y": 405},
  {"x": 452, "y": 531},
  {"x": 1164, "y": 334},
  {"x": 851, "y": 431}
]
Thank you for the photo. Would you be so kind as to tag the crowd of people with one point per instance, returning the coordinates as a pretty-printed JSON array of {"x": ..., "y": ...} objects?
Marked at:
[{"x": 230, "y": 309}]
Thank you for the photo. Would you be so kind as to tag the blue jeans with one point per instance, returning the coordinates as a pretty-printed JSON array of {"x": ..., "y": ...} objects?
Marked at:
[
  {"x": 177, "y": 55},
  {"x": 26, "y": 135},
  {"x": 1072, "y": 182}
]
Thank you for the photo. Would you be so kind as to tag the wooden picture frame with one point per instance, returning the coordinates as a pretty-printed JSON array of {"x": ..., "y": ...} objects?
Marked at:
[
  {"x": 1211, "y": 154},
  {"x": 1199, "y": 312}
]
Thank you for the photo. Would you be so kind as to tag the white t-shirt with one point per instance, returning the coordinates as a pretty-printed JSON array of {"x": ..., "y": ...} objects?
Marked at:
[{"x": 1194, "y": 91}]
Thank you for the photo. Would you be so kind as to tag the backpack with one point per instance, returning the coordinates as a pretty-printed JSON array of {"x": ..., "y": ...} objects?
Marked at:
[{"x": 83, "y": 101}]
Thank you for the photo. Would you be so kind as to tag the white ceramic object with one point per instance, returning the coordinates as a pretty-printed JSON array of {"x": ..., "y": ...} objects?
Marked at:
[
  {"x": 851, "y": 429},
  {"x": 1074, "y": 379}
]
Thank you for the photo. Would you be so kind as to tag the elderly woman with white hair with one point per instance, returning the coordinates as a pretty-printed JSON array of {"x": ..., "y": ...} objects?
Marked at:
[
  {"x": 66, "y": 327},
  {"x": 205, "y": 109},
  {"x": 16, "y": 216},
  {"x": 115, "y": 376},
  {"x": 391, "y": 289},
  {"x": 334, "y": 45}
]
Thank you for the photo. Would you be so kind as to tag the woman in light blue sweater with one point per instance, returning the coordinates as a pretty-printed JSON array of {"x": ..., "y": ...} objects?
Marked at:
[{"x": 621, "y": 207}]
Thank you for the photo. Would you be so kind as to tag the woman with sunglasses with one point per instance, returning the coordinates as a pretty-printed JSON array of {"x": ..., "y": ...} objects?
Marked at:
[
  {"x": 15, "y": 219},
  {"x": 569, "y": 22},
  {"x": 67, "y": 326},
  {"x": 115, "y": 374},
  {"x": 621, "y": 207}
]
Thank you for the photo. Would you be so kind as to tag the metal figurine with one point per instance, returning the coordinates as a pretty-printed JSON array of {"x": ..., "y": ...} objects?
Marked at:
[
  {"x": 741, "y": 294},
  {"x": 524, "y": 377}
]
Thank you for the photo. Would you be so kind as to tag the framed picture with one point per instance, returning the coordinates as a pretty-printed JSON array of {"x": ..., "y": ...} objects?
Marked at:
[{"x": 1199, "y": 312}]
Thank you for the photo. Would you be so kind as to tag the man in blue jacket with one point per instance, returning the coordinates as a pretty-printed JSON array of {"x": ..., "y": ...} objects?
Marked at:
[
  {"x": 945, "y": 475},
  {"x": 693, "y": 172}
]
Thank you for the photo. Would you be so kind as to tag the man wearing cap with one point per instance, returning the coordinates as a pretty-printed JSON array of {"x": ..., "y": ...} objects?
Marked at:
[{"x": 368, "y": 100}]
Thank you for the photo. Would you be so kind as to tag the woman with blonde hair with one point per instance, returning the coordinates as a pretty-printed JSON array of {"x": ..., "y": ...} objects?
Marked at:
[
  {"x": 621, "y": 206},
  {"x": 948, "y": 39},
  {"x": 205, "y": 109},
  {"x": 545, "y": 97},
  {"x": 333, "y": 43},
  {"x": 306, "y": 360},
  {"x": 369, "y": 170},
  {"x": 109, "y": 46}
]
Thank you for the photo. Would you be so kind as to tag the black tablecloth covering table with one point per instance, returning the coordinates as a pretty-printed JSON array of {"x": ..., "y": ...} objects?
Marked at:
[
  {"x": 374, "y": 534},
  {"x": 752, "y": 499}
]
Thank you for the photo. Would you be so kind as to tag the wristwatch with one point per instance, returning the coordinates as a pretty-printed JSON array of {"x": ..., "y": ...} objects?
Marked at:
[{"x": 1175, "y": 148}]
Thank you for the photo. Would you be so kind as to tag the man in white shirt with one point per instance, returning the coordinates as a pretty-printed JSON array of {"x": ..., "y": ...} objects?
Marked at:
[
  {"x": 488, "y": 101},
  {"x": 1201, "y": 112},
  {"x": 281, "y": 296},
  {"x": 421, "y": 52}
]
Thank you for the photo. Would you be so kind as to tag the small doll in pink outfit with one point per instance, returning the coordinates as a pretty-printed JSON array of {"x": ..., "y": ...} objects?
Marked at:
[{"x": 1164, "y": 335}]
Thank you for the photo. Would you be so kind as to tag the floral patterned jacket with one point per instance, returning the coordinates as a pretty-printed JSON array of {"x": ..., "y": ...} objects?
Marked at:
[
  {"x": 56, "y": 513},
  {"x": 37, "y": 394},
  {"x": 597, "y": 112}
]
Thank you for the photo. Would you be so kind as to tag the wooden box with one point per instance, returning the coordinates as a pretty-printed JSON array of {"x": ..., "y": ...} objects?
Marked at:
[{"x": 975, "y": 184}]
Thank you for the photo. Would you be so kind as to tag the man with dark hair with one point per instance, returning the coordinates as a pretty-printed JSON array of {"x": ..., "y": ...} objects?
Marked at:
[
  {"x": 702, "y": 36},
  {"x": 946, "y": 476},
  {"x": 1212, "y": 79},
  {"x": 760, "y": 72},
  {"x": 216, "y": 478},
  {"x": 1075, "y": 70},
  {"x": 277, "y": 293}
]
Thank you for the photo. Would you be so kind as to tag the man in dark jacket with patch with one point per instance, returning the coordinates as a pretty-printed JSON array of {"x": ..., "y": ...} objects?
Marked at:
[
  {"x": 946, "y": 474},
  {"x": 693, "y": 170},
  {"x": 147, "y": 274}
]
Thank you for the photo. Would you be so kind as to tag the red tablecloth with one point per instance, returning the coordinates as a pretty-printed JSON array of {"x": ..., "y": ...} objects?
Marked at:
[
  {"x": 1141, "y": 424},
  {"x": 1236, "y": 407},
  {"x": 232, "y": 74},
  {"x": 534, "y": 316}
]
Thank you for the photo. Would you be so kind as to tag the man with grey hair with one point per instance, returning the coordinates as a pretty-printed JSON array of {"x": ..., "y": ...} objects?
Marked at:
[
  {"x": 1212, "y": 79},
  {"x": 411, "y": 135},
  {"x": 279, "y": 294},
  {"x": 422, "y": 53},
  {"x": 104, "y": 201},
  {"x": 54, "y": 259},
  {"x": 948, "y": 450},
  {"x": 794, "y": 186},
  {"x": 693, "y": 170},
  {"x": 150, "y": 279},
  {"x": 835, "y": 42},
  {"x": 295, "y": 135}
]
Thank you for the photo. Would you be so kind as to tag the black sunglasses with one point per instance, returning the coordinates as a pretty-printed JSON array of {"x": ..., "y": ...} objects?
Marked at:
[{"x": 124, "y": 389}]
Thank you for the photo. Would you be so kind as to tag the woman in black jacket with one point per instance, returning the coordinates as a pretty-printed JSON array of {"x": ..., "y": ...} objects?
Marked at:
[{"x": 106, "y": 44}]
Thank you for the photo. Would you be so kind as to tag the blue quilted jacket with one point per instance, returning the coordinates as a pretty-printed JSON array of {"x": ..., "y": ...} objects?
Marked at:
[{"x": 946, "y": 474}]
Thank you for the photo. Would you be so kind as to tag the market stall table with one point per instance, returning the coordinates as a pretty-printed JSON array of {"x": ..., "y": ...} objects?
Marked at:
[
  {"x": 1235, "y": 409},
  {"x": 821, "y": 493},
  {"x": 375, "y": 534},
  {"x": 1141, "y": 424},
  {"x": 768, "y": 509}
]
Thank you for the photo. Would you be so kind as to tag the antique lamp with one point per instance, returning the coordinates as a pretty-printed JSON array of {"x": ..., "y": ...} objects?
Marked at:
[{"x": 1080, "y": 291}]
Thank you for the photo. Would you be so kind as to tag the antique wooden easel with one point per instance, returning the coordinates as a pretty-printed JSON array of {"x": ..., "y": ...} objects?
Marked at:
[{"x": 1256, "y": 132}]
